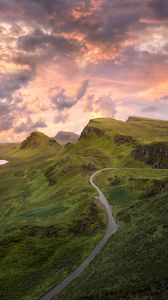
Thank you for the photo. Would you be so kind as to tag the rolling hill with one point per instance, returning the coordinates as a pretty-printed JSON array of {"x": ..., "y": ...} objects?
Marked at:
[{"x": 51, "y": 219}]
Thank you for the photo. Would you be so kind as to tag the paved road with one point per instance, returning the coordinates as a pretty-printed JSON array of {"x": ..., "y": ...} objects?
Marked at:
[{"x": 111, "y": 228}]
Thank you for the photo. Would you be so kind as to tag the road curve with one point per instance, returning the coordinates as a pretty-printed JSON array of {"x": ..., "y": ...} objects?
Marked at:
[{"x": 111, "y": 228}]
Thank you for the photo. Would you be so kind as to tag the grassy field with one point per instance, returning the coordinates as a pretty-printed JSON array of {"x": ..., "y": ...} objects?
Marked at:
[
  {"x": 133, "y": 265},
  {"x": 143, "y": 130},
  {"x": 51, "y": 219},
  {"x": 49, "y": 223}
]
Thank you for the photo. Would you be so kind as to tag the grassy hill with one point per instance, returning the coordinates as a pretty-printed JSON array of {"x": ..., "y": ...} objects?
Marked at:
[
  {"x": 142, "y": 129},
  {"x": 6, "y": 148},
  {"x": 133, "y": 265},
  {"x": 51, "y": 218}
]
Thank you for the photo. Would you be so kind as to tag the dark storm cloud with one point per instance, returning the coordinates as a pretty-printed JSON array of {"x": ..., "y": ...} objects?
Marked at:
[
  {"x": 10, "y": 111},
  {"x": 7, "y": 6},
  {"x": 113, "y": 28},
  {"x": 6, "y": 116},
  {"x": 36, "y": 11},
  {"x": 61, "y": 117},
  {"x": 160, "y": 8},
  {"x": 150, "y": 109},
  {"x": 77, "y": 31},
  {"x": 4, "y": 108},
  {"x": 12, "y": 104},
  {"x": 6, "y": 122},
  {"x": 27, "y": 59},
  {"x": 82, "y": 90},
  {"x": 29, "y": 126},
  {"x": 50, "y": 7},
  {"x": 89, "y": 103},
  {"x": 110, "y": 24},
  {"x": 9, "y": 83},
  {"x": 164, "y": 98},
  {"x": 62, "y": 101},
  {"x": 39, "y": 39},
  {"x": 134, "y": 66}
]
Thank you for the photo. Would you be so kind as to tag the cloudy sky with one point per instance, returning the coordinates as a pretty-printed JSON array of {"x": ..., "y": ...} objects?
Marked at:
[{"x": 63, "y": 62}]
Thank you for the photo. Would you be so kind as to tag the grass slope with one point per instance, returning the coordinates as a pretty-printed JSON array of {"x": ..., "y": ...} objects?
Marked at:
[
  {"x": 133, "y": 265},
  {"x": 6, "y": 148},
  {"x": 51, "y": 218}
]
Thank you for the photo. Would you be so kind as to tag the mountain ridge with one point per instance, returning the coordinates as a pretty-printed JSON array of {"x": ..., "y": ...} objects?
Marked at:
[{"x": 37, "y": 139}]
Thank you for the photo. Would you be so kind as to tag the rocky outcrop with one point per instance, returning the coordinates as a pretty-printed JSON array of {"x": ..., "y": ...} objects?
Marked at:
[
  {"x": 37, "y": 139},
  {"x": 87, "y": 168},
  {"x": 157, "y": 186},
  {"x": 136, "y": 119},
  {"x": 92, "y": 130},
  {"x": 124, "y": 139},
  {"x": 155, "y": 154},
  {"x": 50, "y": 175}
]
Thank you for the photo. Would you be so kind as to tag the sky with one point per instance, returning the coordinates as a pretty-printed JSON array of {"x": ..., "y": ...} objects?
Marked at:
[{"x": 63, "y": 62}]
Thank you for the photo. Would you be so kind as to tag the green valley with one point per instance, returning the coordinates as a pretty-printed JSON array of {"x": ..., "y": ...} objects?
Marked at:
[{"x": 51, "y": 218}]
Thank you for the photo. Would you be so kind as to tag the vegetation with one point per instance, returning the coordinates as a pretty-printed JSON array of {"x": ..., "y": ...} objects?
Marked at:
[
  {"x": 51, "y": 219},
  {"x": 133, "y": 265},
  {"x": 49, "y": 223}
]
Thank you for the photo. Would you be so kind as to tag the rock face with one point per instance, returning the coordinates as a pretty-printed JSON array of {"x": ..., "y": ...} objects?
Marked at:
[
  {"x": 64, "y": 137},
  {"x": 92, "y": 130},
  {"x": 136, "y": 119},
  {"x": 37, "y": 139},
  {"x": 87, "y": 168},
  {"x": 124, "y": 139},
  {"x": 155, "y": 154},
  {"x": 157, "y": 187}
]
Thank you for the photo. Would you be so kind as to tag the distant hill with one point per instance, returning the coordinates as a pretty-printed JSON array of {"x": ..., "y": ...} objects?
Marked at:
[
  {"x": 142, "y": 129},
  {"x": 143, "y": 139},
  {"x": 37, "y": 139},
  {"x": 143, "y": 119},
  {"x": 64, "y": 137},
  {"x": 36, "y": 145}
]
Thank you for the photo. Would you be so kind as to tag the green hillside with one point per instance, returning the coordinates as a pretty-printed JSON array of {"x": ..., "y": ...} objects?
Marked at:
[
  {"x": 143, "y": 130},
  {"x": 6, "y": 148},
  {"x": 133, "y": 265},
  {"x": 51, "y": 219}
]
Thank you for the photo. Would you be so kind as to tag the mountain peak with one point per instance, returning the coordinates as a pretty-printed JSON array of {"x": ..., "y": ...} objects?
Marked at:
[{"x": 37, "y": 139}]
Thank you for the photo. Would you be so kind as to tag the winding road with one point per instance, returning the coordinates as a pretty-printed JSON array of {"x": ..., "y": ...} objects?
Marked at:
[{"x": 111, "y": 228}]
